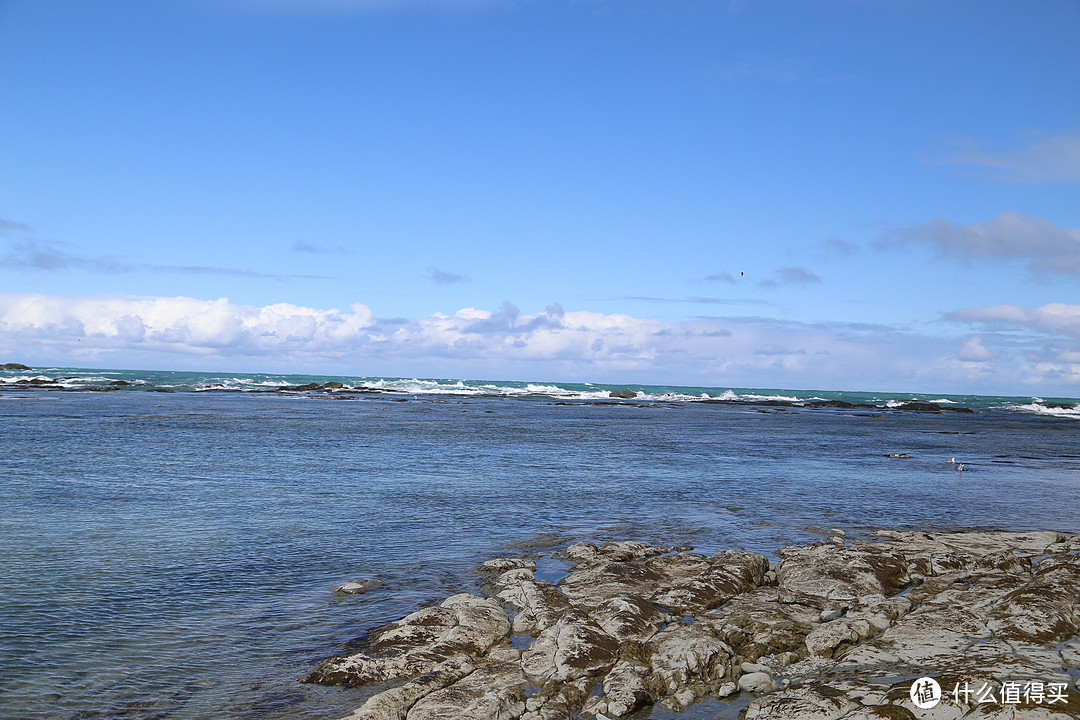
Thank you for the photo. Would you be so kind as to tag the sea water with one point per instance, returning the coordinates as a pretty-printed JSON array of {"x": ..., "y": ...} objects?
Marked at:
[{"x": 174, "y": 554}]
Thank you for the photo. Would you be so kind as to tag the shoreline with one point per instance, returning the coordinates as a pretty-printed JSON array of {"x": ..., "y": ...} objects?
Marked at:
[{"x": 837, "y": 629}]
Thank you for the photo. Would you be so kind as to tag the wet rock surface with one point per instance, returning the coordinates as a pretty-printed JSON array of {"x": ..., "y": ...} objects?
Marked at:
[{"x": 840, "y": 629}]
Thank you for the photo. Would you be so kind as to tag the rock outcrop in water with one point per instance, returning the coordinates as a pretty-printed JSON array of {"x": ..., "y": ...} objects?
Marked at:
[{"x": 835, "y": 630}]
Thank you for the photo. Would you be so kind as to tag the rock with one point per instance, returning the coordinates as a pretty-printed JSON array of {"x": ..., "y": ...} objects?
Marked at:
[
  {"x": 765, "y": 621},
  {"x": 492, "y": 692},
  {"x": 682, "y": 653},
  {"x": 595, "y": 583},
  {"x": 915, "y": 406},
  {"x": 629, "y": 619},
  {"x": 626, "y": 688},
  {"x": 333, "y": 385},
  {"x": 1044, "y": 610},
  {"x": 464, "y": 626},
  {"x": 538, "y": 603},
  {"x": 356, "y": 587},
  {"x": 14, "y": 366},
  {"x": 394, "y": 704},
  {"x": 575, "y": 647},
  {"x": 758, "y": 682},
  {"x": 726, "y": 575},
  {"x": 843, "y": 572},
  {"x": 851, "y": 625},
  {"x": 299, "y": 388},
  {"x": 623, "y": 394},
  {"x": 499, "y": 565},
  {"x": 824, "y": 639},
  {"x": 812, "y": 703},
  {"x": 727, "y": 689},
  {"x": 749, "y": 667}
]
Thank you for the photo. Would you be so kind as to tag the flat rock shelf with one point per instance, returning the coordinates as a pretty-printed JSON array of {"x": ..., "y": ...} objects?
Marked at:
[{"x": 839, "y": 629}]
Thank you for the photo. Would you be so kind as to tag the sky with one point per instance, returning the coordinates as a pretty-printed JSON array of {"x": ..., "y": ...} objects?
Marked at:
[{"x": 813, "y": 194}]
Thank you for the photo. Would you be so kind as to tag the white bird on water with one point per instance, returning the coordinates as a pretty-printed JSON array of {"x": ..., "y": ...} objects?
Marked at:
[
  {"x": 951, "y": 461},
  {"x": 960, "y": 467}
]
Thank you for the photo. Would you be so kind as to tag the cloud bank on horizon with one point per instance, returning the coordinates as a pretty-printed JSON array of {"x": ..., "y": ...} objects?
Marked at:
[
  {"x": 555, "y": 343},
  {"x": 719, "y": 194}
]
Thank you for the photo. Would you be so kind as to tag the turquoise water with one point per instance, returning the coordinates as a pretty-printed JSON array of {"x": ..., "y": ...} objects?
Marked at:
[
  {"x": 172, "y": 381},
  {"x": 173, "y": 554}
]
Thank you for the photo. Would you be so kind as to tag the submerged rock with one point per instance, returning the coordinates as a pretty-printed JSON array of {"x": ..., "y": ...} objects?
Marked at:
[
  {"x": 358, "y": 586},
  {"x": 300, "y": 388},
  {"x": 831, "y": 631}
]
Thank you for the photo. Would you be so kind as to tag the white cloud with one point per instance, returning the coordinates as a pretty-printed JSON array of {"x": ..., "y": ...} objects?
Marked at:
[
  {"x": 1038, "y": 346},
  {"x": 1055, "y": 159},
  {"x": 1045, "y": 247},
  {"x": 1053, "y": 318},
  {"x": 552, "y": 344},
  {"x": 973, "y": 350},
  {"x": 183, "y": 325}
]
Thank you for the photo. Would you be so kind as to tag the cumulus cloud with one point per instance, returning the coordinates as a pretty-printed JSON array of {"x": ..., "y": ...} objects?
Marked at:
[
  {"x": 973, "y": 350},
  {"x": 1055, "y": 159},
  {"x": 1041, "y": 345},
  {"x": 179, "y": 324},
  {"x": 553, "y": 343},
  {"x": 1044, "y": 247},
  {"x": 724, "y": 277}
]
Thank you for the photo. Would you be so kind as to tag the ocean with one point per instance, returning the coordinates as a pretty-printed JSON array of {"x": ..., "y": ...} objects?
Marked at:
[{"x": 169, "y": 546}]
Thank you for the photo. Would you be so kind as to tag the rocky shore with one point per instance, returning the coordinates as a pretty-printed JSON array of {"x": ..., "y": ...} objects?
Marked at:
[{"x": 839, "y": 629}]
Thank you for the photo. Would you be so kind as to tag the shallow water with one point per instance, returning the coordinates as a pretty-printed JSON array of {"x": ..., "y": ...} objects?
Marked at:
[{"x": 173, "y": 555}]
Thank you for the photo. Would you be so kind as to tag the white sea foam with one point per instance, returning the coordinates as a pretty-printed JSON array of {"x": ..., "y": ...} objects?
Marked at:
[
  {"x": 547, "y": 390},
  {"x": 1039, "y": 409},
  {"x": 767, "y": 398},
  {"x": 424, "y": 387},
  {"x": 673, "y": 397}
]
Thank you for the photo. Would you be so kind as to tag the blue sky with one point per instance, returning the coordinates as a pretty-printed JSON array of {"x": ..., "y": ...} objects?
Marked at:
[{"x": 813, "y": 195}]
